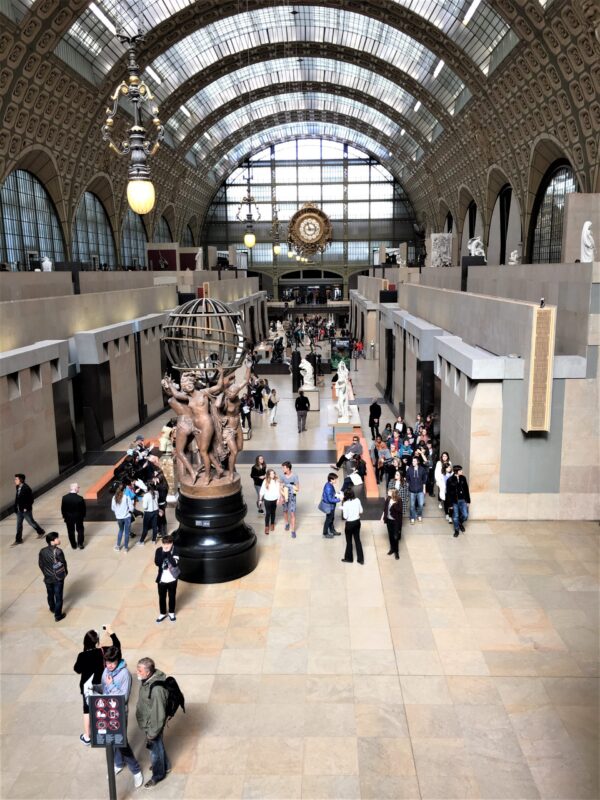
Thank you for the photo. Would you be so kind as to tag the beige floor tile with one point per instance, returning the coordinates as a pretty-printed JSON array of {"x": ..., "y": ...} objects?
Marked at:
[
  {"x": 386, "y": 757},
  {"x": 214, "y": 787},
  {"x": 330, "y": 756},
  {"x": 426, "y": 690},
  {"x": 374, "y": 662},
  {"x": 222, "y": 755},
  {"x": 275, "y": 755},
  {"x": 433, "y": 722},
  {"x": 272, "y": 787},
  {"x": 332, "y": 719},
  {"x": 378, "y": 787},
  {"x": 377, "y": 689},
  {"x": 330, "y": 787},
  {"x": 381, "y": 720}
]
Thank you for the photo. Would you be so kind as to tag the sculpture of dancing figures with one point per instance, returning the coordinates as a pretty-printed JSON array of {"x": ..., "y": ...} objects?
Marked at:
[
  {"x": 194, "y": 418},
  {"x": 228, "y": 407},
  {"x": 308, "y": 374},
  {"x": 514, "y": 258},
  {"x": 476, "y": 247},
  {"x": 588, "y": 245},
  {"x": 342, "y": 392}
]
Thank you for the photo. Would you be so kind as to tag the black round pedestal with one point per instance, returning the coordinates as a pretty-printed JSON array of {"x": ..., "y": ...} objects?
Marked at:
[{"x": 213, "y": 541}]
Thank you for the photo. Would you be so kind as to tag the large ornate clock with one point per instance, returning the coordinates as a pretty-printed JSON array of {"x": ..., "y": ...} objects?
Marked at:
[{"x": 310, "y": 230}]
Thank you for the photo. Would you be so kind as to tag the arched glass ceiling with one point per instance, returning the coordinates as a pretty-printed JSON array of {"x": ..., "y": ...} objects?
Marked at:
[
  {"x": 278, "y": 104},
  {"x": 293, "y": 130},
  {"x": 92, "y": 37},
  {"x": 246, "y": 31},
  {"x": 289, "y": 70}
]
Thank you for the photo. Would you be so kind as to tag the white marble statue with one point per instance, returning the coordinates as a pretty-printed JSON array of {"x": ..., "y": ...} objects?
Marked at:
[
  {"x": 514, "y": 258},
  {"x": 279, "y": 328},
  {"x": 341, "y": 387},
  {"x": 199, "y": 259},
  {"x": 588, "y": 245},
  {"x": 46, "y": 264},
  {"x": 308, "y": 374},
  {"x": 476, "y": 247}
]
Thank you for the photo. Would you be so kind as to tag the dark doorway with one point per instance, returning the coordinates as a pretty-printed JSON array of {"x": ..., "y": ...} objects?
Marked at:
[
  {"x": 425, "y": 387},
  {"x": 390, "y": 354},
  {"x": 252, "y": 326}
]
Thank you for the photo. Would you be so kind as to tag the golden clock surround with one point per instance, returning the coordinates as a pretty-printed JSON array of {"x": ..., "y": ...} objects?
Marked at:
[{"x": 310, "y": 230}]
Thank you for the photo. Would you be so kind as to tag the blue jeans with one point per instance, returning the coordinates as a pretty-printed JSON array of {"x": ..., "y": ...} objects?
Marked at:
[
  {"x": 417, "y": 499},
  {"x": 159, "y": 760},
  {"x": 28, "y": 517},
  {"x": 460, "y": 513},
  {"x": 124, "y": 755},
  {"x": 150, "y": 521},
  {"x": 328, "y": 522},
  {"x": 124, "y": 527},
  {"x": 55, "y": 597}
]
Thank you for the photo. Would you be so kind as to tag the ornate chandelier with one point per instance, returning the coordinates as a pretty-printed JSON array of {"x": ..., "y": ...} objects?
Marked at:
[
  {"x": 249, "y": 236},
  {"x": 140, "y": 189}
]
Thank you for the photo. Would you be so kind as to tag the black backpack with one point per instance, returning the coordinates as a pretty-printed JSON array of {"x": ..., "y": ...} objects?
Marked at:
[{"x": 175, "y": 698}]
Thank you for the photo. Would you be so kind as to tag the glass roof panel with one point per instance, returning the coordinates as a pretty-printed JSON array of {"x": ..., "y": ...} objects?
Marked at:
[
  {"x": 286, "y": 70},
  {"x": 477, "y": 39},
  {"x": 292, "y": 130},
  {"x": 277, "y": 104}
]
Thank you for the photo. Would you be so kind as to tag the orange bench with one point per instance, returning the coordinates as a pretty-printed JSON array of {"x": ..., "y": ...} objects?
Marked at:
[
  {"x": 344, "y": 440},
  {"x": 94, "y": 490}
]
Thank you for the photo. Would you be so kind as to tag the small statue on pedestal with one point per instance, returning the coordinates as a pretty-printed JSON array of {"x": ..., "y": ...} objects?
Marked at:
[
  {"x": 341, "y": 387},
  {"x": 514, "y": 258},
  {"x": 277, "y": 357},
  {"x": 476, "y": 247},
  {"x": 588, "y": 246},
  {"x": 308, "y": 374}
]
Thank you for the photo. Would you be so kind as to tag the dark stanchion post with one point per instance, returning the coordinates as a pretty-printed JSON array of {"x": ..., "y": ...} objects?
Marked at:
[{"x": 110, "y": 765}]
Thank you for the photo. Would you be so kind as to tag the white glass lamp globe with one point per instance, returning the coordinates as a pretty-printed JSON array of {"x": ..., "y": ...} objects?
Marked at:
[
  {"x": 290, "y": 253},
  {"x": 249, "y": 239},
  {"x": 277, "y": 249},
  {"x": 141, "y": 196}
]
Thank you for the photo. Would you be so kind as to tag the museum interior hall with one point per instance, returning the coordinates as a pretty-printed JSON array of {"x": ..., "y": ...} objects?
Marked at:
[{"x": 300, "y": 399}]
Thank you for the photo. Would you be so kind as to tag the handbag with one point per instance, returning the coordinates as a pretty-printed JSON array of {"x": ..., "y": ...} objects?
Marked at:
[
  {"x": 324, "y": 507},
  {"x": 174, "y": 570},
  {"x": 59, "y": 569}
]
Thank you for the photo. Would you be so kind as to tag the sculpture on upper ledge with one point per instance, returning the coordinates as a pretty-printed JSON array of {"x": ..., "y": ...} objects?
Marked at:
[
  {"x": 588, "y": 246},
  {"x": 514, "y": 258},
  {"x": 476, "y": 247},
  {"x": 308, "y": 374},
  {"x": 341, "y": 387}
]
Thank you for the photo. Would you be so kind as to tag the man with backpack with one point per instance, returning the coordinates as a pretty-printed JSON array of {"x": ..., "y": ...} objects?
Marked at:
[{"x": 158, "y": 700}]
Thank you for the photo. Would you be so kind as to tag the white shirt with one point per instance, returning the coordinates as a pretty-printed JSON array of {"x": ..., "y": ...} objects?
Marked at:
[
  {"x": 270, "y": 492},
  {"x": 123, "y": 509},
  {"x": 150, "y": 503},
  {"x": 352, "y": 509}
]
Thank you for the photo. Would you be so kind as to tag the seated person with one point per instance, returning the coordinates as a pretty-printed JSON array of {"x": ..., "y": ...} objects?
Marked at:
[
  {"x": 354, "y": 449},
  {"x": 381, "y": 454},
  {"x": 405, "y": 449}
]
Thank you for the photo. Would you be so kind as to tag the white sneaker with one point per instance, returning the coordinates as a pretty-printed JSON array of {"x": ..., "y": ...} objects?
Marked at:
[
  {"x": 419, "y": 519},
  {"x": 412, "y": 522},
  {"x": 440, "y": 505},
  {"x": 138, "y": 779},
  {"x": 119, "y": 769},
  {"x": 116, "y": 547}
]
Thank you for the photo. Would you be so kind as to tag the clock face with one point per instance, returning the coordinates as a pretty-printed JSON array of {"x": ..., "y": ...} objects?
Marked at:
[{"x": 309, "y": 228}]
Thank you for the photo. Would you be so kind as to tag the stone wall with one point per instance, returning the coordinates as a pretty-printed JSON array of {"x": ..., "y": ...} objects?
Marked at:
[{"x": 29, "y": 285}]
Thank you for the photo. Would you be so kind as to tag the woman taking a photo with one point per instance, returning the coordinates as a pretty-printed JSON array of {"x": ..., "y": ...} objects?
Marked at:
[
  {"x": 90, "y": 664},
  {"x": 168, "y": 574},
  {"x": 122, "y": 508},
  {"x": 270, "y": 494},
  {"x": 258, "y": 473},
  {"x": 351, "y": 511},
  {"x": 392, "y": 516}
]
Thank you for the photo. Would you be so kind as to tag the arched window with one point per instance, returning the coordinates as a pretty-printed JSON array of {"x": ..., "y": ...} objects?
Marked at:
[
  {"x": 29, "y": 228},
  {"x": 548, "y": 214},
  {"x": 449, "y": 223},
  {"x": 472, "y": 218},
  {"x": 93, "y": 241},
  {"x": 187, "y": 237},
  {"x": 133, "y": 242},
  {"x": 163, "y": 231}
]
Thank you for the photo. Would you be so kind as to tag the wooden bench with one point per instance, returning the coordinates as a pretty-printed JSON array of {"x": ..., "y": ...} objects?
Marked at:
[
  {"x": 342, "y": 442},
  {"x": 93, "y": 491}
]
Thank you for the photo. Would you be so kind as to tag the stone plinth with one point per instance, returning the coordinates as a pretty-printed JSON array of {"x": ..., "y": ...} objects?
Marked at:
[{"x": 353, "y": 419}]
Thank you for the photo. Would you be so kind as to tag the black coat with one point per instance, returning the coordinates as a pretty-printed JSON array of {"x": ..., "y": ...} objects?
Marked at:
[
  {"x": 163, "y": 559},
  {"x": 396, "y": 514},
  {"x": 91, "y": 662},
  {"x": 457, "y": 488},
  {"x": 23, "y": 498},
  {"x": 48, "y": 557},
  {"x": 374, "y": 413},
  {"x": 73, "y": 507}
]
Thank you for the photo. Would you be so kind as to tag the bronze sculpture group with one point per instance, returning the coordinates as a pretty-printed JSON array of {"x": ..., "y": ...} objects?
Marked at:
[{"x": 208, "y": 431}]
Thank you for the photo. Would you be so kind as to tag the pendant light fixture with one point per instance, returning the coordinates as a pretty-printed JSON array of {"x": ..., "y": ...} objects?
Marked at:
[{"x": 249, "y": 235}]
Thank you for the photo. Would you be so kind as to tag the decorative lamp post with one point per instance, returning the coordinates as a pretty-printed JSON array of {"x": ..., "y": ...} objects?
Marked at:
[
  {"x": 140, "y": 189},
  {"x": 249, "y": 235}
]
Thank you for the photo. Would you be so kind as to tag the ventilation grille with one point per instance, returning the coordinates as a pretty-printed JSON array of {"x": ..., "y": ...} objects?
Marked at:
[{"x": 540, "y": 370}]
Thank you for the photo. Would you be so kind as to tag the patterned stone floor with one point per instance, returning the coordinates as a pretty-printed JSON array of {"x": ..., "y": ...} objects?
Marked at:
[{"x": 467, "y": 669}]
